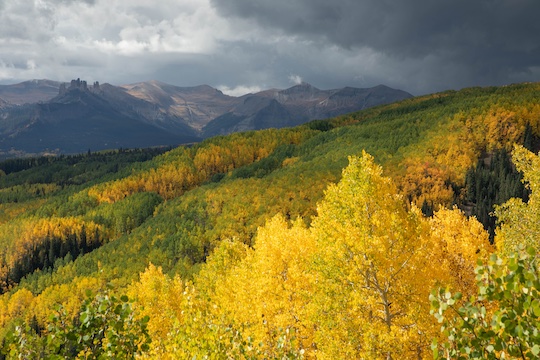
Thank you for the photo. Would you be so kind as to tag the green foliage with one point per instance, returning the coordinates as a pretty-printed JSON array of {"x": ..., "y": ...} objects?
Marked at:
[
  {"x": 494, "y": 181},
  {"x": 265, "y": 166},
  {"x": 321, "y": 125},
  {"x": 24, "y": 192},
  {"x": 530, "y": 141},
  {"x": 105, "y": 328},
  {"x": 127, "y": 214},
  {"x": 502, "y": 321},
  {"x": 73, "y": 169}
]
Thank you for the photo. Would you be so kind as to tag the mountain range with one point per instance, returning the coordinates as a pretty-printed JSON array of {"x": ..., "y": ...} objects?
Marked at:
[{"x": 50, "y": 117}]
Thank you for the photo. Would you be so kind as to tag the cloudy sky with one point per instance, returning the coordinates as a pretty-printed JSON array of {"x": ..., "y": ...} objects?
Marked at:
[{"x": 239, "y": 46}]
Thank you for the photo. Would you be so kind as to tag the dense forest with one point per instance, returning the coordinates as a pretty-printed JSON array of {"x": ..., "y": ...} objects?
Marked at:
[{"x": 404, "y": 231}]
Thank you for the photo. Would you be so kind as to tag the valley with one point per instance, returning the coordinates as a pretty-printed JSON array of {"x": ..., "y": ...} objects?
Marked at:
[{"x": 324, "y": 239}]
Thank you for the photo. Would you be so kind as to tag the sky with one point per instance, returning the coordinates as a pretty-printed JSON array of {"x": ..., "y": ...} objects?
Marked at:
[{"x": 241, "y": 46}]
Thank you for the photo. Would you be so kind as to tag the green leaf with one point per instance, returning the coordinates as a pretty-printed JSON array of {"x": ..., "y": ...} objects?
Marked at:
[
  {"x": 118, "y": 309},
  {"x": 535, "y": 306},
  {"x": 435, "y": 348},
  {"x": 84, "y": 317}
]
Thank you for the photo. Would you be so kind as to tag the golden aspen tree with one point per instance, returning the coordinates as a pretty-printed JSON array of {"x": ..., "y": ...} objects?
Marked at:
[
  {"x": 181, "y": 322},
  {"x": 3, "y": 309},
  {"x": 457, "y": 243},
  {"x": 269, "y": 291},
  {"x": 519, "y": 222},
  {"x": 503, "y": 128},
  {"x": 19, "y": 303},
  {"x": 223, "y": 260},
  {"x": 160, "y": 298},
  {"x": 426, "y": 181},
  {"x": 373, "y": 268}
]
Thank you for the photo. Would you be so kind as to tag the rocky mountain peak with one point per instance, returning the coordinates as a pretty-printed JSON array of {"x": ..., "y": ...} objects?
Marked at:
[{"x": 77, "y": 84}]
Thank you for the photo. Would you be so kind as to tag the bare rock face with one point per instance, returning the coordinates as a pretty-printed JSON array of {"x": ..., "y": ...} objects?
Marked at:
[
  {"x": 78, "y": 84},
  {"x": 197, "y": 105}
]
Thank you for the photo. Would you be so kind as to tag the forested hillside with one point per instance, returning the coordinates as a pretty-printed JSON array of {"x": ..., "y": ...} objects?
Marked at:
[{"x": 320, "y": 241}]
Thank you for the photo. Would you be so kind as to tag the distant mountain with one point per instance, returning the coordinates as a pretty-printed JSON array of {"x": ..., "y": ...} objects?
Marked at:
[
  {"x": 28, "y": 92},
  {"x": 197, "y": 105},
  {"x": 211, "y": 112},
  {"x": 43, "y": 116},
  {"x": 296, "y": 105},
  {"x": 85, "y": 117}
]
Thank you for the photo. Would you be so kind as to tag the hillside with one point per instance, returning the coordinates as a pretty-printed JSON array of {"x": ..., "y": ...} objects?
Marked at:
[
  {"x": 178, "y": 231},
  {"x": 28, "y": 92}
]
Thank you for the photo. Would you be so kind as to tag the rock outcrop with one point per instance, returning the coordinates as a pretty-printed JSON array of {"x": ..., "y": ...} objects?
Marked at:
[{"x": 78, "y": 84}]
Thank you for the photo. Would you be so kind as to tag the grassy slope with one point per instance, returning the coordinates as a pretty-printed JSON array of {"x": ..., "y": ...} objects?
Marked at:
[{"x": 433, "y": 137}]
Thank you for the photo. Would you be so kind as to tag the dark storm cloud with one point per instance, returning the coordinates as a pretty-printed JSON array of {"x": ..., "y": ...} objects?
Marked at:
[
  {"x": 419, "y": 46},
  {"x": 416, "y": 27},
  {"x": 491, "y": 40}
]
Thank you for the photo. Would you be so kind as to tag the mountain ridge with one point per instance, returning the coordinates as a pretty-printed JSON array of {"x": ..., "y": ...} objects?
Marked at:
[
  {"x": 30, "y": 91},
  {"x": 300, "y": 103},
  {"x": 98, "y": 117},
  {"x": 168, "y": 114}
]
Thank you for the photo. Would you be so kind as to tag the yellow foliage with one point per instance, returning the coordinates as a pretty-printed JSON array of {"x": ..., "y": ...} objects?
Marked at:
[
  {"x": 458, "y": 243},
  {"x": 29, "y": 233},
  {"x": 353, "y": 285},
  {"x": 270, "y": 289},
  {"x": 372, "y": 251},
  {"x": 519, "y": 222},
  {"x": 219, "y": 265},
  {"x": 424, "y": 181},
  {"x": 502, "y": 128},
  {"x": 187, "y": 168},
  {"x": 19, "y": 303},
  {"x": 290, "y": 161},
  {"x": 161, "y": 298},
  {"x": 70, "y": 296}
]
